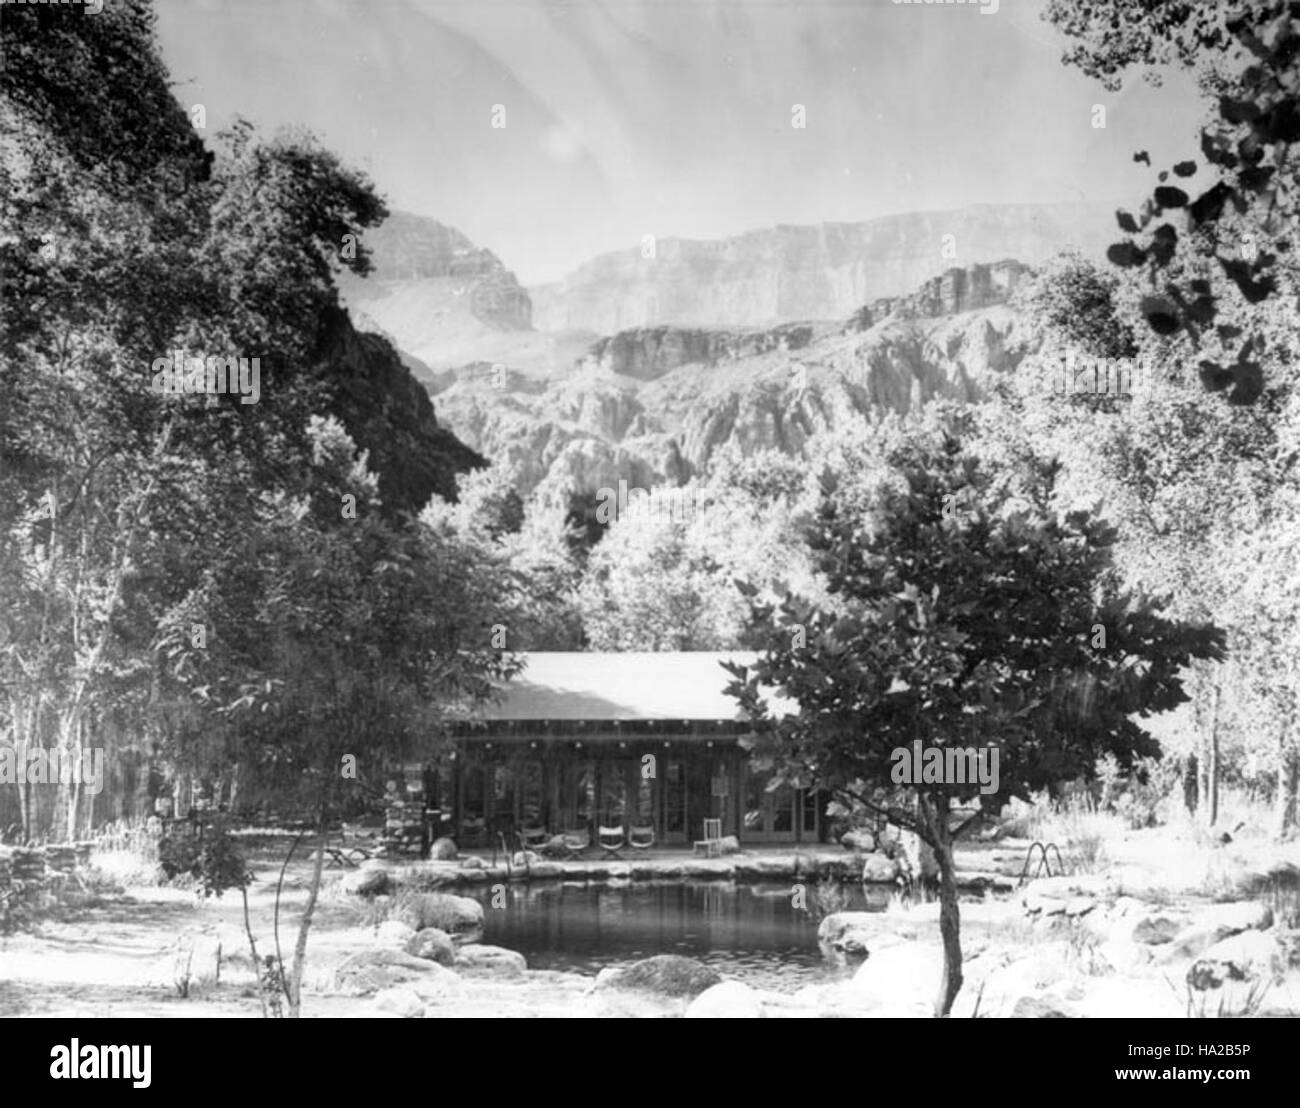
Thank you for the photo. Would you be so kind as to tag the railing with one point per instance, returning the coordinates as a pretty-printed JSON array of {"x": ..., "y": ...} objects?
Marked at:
[{"x": 1043, "y": 863}]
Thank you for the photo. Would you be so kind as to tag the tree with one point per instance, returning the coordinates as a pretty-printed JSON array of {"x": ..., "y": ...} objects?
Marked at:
[
  {"x": 1197, "y": 487},
  {"x": 964, "y": 612},
  {"x": 1238, "y": 234}
]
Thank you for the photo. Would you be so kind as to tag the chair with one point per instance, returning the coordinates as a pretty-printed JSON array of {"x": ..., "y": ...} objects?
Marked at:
[
  {"x": 712, "y": 841},
  {"x": 356, "y": 846},
  {"x": 641, "y": 838},
  {"x": 611, "y": 840},
  {"x": 534, "y": 838},
  {"x": 573, "y": 843}
]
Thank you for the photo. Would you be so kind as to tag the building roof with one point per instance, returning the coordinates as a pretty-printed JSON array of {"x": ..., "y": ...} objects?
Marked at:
[{"x": 640, "y": 685}]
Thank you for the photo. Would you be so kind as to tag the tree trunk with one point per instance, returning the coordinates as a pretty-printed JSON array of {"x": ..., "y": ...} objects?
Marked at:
[
  {"x": 252, "y": 949},
  {"x": 300, "y": 947},
  {"x": 1212, "y": 771},
  {"x": 1288, "y": 781},
  {"x": 935, "y": 818}
]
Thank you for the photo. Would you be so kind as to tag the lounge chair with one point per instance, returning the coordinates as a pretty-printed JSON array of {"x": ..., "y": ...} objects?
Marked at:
[
  {"x": 573, "y": 843},
  {"x": 611, "y": 840},
  {"x": 355, "y": 847},
  {"x": 712, "y": 841},
  {"x": 641, "y": 838},
  {"x": 534, "y": 838}
]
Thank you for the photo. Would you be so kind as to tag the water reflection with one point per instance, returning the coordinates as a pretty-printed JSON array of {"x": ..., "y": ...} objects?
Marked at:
[{"x": 748, "y": 931}]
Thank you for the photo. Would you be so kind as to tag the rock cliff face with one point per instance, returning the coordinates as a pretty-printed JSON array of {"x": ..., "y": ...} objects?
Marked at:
[
  {"x": 823, "y": 272},
  {"x": 652, "y": 405},
  {"x": 388, "y": 412},
  {"x": 439, "y": 296}
]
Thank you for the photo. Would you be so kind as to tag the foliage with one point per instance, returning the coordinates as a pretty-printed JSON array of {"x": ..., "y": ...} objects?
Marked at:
[{"x": 1241, "y": 224}]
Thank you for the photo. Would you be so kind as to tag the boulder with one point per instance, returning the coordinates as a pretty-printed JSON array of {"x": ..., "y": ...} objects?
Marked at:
[
  {"x": 400, "y": 1001},
  {"x": 877, "y": 869},
  {"x": 394, "y": 933},
  {"x": 1249, "y": 956},
  {"x": 443, "y": 850},
  {"x": 1154, "y": 930},
  {"x": 843, "y": 936},
  {"x": 1122, "y": 955},
  {"x": 899, "y": 975},
  {"x": 1078, "y": 906},
  {"x": 432, "y": 944},
  {"x": 1036, "y": 904},
  {"x": 1214, "y": 924},
  {"x": 438, "y": 984},
  {"x": 862, "y": 841},
  {"x": 1033, "y": 1007},
  {"x": 669, "y": 975},
  {"x": 729, "y": 844},
  {"x": 370, "y": 971},
  {"x": 726, "y": 1000},
  {"x": 490, "y": 961},
  {"x": 371, "y": 879},
  {"x": 472, "y": 862},
  {"x": 523, "y": 858},
  {"x": 456, "y": 915}
]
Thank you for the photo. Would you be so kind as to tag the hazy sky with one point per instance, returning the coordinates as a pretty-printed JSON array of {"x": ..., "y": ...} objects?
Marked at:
[{"x": 674, "y": 117}]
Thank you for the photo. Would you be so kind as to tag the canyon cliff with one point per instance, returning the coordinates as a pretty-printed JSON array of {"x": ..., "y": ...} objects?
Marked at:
[{"x": 822, "y": 272}]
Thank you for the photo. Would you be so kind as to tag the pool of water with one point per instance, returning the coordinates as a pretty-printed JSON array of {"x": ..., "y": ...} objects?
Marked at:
[{"x": 752, "y": 932}]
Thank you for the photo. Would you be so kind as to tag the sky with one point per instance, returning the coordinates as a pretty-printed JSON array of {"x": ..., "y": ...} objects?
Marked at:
[{"x": 675, "y": 117}]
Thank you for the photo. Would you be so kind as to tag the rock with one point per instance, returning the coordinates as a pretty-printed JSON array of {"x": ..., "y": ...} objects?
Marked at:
[
  {"x": 472, "y": 862},
  {"x": 729, "y": 844},
  {"x": 1122, "y": 956},
  {"x": 843, "y": 936},
  {"x": 1079, "y": 906},
  {"x": 670, "y": 975},
  {"x": 401, "y": 1001},
  {"x": 1249, "y": 956},
  {"x": 480, "y": 960},
  {"x": 371, "y": 879},
  {"x": 1214, "y": 924},
  {"x": 394, "y": 933},
  {"x": 1037, "y": 904},
  {"x": 370, "y": 971},
  {"x": 523, "y": 858},
  {"x": 900, "y": 974},
  {"x": 726, "y": 1000},
  {"x": 1000, "y": 984},
  {"x": 547, "y": 870},
  {"x": 432, "y": 944},
  {"x": 438, "y": 984},
  {"x": 877, "y": 869},
  {"x": 443, "y": 850},
  {"x": 456, "y": 915},
  {"x": 1032, "y": 1007},
  {"x": 862, "y": 840},
  {"x": 1154, "y": 930}
]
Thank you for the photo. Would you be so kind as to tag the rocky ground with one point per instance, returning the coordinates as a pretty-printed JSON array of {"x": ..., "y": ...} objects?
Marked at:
[{"x": 1215, "y": 935}]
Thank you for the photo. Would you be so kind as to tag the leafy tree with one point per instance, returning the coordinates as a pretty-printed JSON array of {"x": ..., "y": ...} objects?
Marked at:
[
  {"x": 965, "y": 612},
  {"x": 1231, "y": 246}
]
